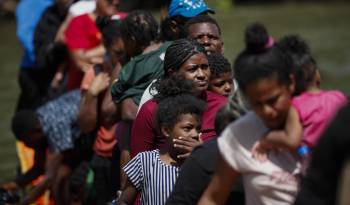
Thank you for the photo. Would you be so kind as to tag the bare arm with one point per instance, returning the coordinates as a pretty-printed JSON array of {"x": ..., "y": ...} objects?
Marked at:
[
  {"x": 87, "y": 117},
  {"x": 128, "y": 195},
  {"x": 53, "y": 162},
  {"x": 110, "y": 112},
  {"x": 291, "y": 136},
  {"x": 33, "y": 173},
  {"x": 128, "y": 110},
  {"x": 221, "y": 184}
]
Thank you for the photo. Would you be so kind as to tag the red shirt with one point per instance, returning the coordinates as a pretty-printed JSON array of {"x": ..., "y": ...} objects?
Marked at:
[
  {"x": 145, "y": 136},
  {"x": 81, "y": 33}
]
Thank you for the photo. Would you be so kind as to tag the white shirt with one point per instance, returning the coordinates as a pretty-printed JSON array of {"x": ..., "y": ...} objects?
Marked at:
[
  {"x": 82, "y": 7},
  {"x": 271, "y": 182}
]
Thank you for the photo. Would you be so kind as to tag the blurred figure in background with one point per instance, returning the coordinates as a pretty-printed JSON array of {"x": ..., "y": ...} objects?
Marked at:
[{"x": 98, "y": 114}]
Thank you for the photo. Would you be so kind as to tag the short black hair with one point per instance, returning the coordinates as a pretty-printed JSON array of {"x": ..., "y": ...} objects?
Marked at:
[
  {"x": 142, "y": 27},
  {"x": 170, "y": 109},
  {"x": 203, "y": 18},
  {"x": 258, "y": 61},
  {"x": 218, "y": 65},
  {"x": 111, "y": 32},
  {"x": 179, "y": 52},
  {"x": 24, "y": 121},
  {"x": 304, "y": 63}
]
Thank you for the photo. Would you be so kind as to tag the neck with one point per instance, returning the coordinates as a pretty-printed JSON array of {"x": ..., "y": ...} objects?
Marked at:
[{"x": 313, "y": 88}]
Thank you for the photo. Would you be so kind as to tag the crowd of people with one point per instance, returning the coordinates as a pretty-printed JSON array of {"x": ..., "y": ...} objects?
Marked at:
[{"x": 121, "y": 109}]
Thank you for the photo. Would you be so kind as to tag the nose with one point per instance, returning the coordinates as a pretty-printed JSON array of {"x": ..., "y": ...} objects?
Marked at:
[
  {"x": 228, "y": 87},
  {"x": 205, "y": 40},
  {"x": 200, "y": 74},
  {"x": 268, "y": 112},
  {"x": 194, "y": 133}
]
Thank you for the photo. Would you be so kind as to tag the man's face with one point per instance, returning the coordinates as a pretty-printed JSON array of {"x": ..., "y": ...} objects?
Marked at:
[
  {"x": 107, "y": 7},
  {"x": 208, "y": 35}
]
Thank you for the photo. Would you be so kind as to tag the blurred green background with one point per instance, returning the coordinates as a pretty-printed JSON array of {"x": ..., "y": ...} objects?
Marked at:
[{"x": 325, "y": 26}]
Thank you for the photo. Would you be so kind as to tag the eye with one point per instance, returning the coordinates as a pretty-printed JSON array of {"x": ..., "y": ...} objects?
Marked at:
[
  {"x": 273, "y": 100},
  {"x": 193, "y": 68},
  {"x": 204, "y": 66}
]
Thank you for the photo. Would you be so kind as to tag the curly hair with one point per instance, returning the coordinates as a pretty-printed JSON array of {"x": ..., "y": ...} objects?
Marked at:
[{"x": 171, "y": 108}]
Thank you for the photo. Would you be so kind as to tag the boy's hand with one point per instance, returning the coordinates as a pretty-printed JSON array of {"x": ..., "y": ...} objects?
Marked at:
[
  {"x": 186, "y": 144},
  {"x": 260, "y": 150}
]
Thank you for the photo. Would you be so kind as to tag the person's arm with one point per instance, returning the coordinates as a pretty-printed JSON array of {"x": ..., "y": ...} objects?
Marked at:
[
  {"x": 34, "y": 172},
  {"x": 110, "y": 112},
  {"x": 87, "y": 117},
  {"x": 221, "y": 184},
  {"x": 53, "y": 161},
  {"x": 192, "y": 181},
  {"x": 128, "y": 110},
  {"x": 128, "y": 195},
  {"x": 143, "y": 131},
  {"x": 290, "y": 137}
]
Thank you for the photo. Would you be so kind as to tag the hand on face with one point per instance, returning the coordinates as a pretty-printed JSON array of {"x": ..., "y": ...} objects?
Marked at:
[
  {"x": 186, "y": 145},
  {"x": 99, "y": 84}
]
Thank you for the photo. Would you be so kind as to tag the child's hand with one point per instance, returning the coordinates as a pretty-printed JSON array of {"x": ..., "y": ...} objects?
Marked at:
[
  {"x": 260, "y": 150},
  {"x": 187, "y": 145}
]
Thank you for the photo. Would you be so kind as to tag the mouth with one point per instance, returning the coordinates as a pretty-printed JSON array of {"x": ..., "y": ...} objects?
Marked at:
[{"x": 202, "y": 83}]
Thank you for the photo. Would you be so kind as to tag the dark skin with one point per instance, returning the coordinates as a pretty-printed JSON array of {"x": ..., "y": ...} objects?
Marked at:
[
  {"x": 185, "y": 130},
  {"x": 271, "y": 101},
  {"x": 47, "y": 163}
]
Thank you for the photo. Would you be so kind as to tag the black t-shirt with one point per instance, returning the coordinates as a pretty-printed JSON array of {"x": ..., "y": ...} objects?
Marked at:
[{"x": 195, "y": 175}]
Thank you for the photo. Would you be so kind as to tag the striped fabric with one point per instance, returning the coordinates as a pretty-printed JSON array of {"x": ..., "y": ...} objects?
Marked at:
[{"x": 152, "y": 177}]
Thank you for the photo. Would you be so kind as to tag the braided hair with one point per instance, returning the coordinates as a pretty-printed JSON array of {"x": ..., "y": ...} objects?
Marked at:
[
  {"x": 218, "y": 65},
  {"x": 179, "y": 52},
  {"x": 141, "y": 27}
]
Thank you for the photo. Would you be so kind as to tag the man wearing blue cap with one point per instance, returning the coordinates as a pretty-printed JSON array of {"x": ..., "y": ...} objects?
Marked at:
[{"x": 188, "y": 8}]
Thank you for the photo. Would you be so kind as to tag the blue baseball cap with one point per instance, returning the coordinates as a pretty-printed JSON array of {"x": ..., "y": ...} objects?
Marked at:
[{"x": 188, "y": 8}]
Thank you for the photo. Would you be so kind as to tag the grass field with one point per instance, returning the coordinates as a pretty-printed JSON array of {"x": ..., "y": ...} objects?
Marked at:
[{"x": 325, "y": 26}]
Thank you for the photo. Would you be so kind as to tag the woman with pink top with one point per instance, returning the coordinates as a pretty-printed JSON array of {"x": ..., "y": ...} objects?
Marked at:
[{"x": 312, "y": 109}]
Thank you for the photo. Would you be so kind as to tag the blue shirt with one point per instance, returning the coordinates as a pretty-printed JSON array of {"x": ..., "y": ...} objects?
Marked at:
[
  {"x": 28, "y": 14},
  {"x": 152, "y": 177},
  {"x": 58, "y": 119}
]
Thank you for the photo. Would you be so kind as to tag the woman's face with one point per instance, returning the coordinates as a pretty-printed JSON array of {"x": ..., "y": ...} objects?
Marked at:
[
  {"x": 196, "y": 69},
  {"x": 270, "y": 100}
]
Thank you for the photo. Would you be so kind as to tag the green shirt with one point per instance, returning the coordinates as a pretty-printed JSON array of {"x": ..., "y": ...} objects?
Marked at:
[{"x": 138, "y": 73}]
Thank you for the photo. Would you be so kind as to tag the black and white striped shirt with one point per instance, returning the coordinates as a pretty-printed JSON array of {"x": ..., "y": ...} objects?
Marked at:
[{"x": 152, "y": 177}]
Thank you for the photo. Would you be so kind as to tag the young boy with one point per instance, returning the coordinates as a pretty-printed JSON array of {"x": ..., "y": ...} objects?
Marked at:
[
  {"x": 154, "y": 172},
  {"x": 221, "y": 76}
]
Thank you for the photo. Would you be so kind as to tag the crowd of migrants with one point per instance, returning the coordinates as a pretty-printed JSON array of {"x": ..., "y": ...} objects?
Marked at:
[{"x": 118, "y": 109}]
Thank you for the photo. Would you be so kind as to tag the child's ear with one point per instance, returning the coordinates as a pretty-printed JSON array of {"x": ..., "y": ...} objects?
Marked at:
[{"x": 165, "y": 131}]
